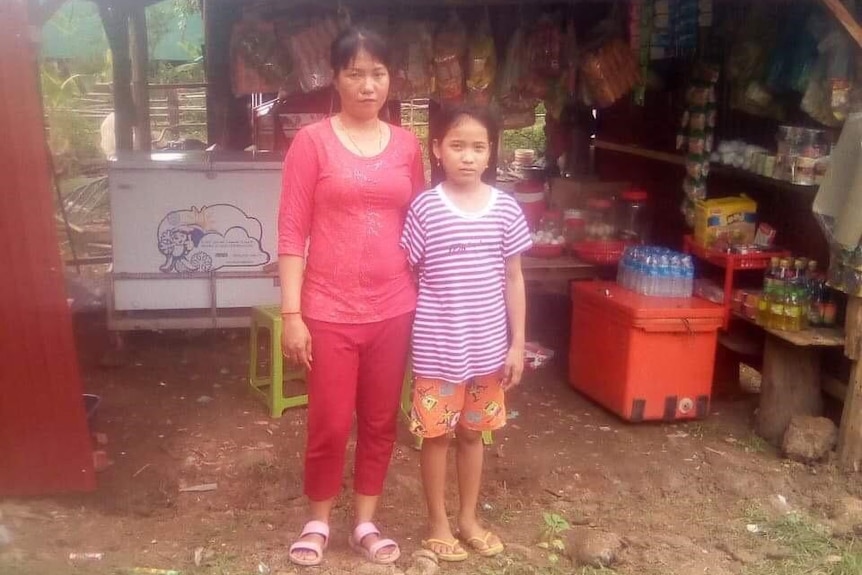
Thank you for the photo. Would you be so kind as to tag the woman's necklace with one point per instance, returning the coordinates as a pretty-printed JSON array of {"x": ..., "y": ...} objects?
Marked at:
[{"x": 355, "y": 145}]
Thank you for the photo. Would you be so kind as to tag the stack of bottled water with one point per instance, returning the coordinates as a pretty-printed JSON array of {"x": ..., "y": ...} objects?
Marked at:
[{"x": 656, "y": 271}]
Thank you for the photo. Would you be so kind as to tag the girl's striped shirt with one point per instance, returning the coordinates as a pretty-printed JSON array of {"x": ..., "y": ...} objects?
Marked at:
[{"x": 461, "y": 326}]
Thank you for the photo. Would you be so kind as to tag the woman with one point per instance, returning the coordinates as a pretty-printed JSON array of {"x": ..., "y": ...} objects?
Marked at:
[{"x": 348, "y": 308}]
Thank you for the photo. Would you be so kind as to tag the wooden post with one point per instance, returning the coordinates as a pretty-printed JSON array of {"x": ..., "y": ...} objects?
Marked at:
[
  {"x": 791, "y": 386},
  {"x": 116, "y": 22},
  {"x": 173, "y": 103},
  {"x": 850, "y": 435},
  {"x": 218, "y": 20},
  {"x": 140, "y": 70},
  {"x": 845, "y": 18}
]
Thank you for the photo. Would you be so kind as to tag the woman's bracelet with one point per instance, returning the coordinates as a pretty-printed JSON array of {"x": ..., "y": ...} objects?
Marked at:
[{"x": 291, "y": 313}]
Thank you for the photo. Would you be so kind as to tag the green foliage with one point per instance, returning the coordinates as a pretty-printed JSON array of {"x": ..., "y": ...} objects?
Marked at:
[
  {"x": 810, "y": 546},
  {"x": 70, "y": 136},
  {"x": 550, "y": 538}
]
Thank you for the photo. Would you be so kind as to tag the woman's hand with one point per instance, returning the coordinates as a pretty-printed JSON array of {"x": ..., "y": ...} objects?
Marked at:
[
  {"x": 513, "y": 369},
  {"x": 296, "y": 341}
]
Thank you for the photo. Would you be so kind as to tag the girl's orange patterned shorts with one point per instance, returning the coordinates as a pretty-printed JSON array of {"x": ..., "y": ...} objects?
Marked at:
[{"x": 439, "y": 407}]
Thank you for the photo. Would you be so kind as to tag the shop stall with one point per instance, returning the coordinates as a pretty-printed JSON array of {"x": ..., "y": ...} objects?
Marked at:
[
  {"x": 683, "y": 145},
  {"x": 732, "y": 135}
]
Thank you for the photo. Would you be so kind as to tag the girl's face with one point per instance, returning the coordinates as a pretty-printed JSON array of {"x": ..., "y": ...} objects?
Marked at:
[
  {"x": 363, "y": 86},
  {"x": 464, "y": 152}
]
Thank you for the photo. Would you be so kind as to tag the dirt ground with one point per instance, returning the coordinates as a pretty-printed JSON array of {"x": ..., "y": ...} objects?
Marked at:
[{"x": 684, "y": 498}]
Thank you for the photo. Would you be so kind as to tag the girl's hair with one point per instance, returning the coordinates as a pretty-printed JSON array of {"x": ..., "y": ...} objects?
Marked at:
[
  {"x": 349, "y": 42},
  {"x": 450, "y": 116}
]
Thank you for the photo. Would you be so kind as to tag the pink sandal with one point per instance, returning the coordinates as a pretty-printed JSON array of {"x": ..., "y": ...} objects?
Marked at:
[
  {"x": 311, "y": 528},
  {"x": 362, "y": 531}
]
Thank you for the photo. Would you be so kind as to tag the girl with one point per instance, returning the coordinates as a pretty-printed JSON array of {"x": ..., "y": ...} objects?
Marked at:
[
  {"x": 348, "y": 308},
  {"x": 464, "y": 238}
]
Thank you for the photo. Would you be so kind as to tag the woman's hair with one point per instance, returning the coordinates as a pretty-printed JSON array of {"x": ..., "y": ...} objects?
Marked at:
[
  {"x": 450, "y": 116},
  {"x": 349, "y": 42}
]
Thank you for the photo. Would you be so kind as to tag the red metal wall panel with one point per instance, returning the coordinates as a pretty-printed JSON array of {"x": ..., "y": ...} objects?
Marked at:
[{"x": 44, "y": 441}]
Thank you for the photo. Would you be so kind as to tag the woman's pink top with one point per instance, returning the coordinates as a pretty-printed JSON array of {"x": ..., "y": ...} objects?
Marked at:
[{"x": 352, "y": 209}]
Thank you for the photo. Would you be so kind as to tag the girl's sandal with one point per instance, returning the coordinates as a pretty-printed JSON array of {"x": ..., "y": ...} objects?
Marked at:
[
  {"x": 453, "y": 554},
  {"x": 371, "y": 553},
  {"x": 483, "y": 546},
  {"x": 311, "y": 528}
]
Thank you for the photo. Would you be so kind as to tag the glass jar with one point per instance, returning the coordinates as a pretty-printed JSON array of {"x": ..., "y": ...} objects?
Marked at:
[
  {"x": 574, "y": 226},
  {"x": 550, "y": 229},
  {"x": 634, "y": 221},
  {"x": 600, "y": 220}
]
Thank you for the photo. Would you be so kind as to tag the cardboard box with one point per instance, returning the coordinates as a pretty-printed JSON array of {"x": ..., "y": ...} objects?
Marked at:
[
  {"x": 569, "y": 193},
  {"x": 733, "y": 219}
]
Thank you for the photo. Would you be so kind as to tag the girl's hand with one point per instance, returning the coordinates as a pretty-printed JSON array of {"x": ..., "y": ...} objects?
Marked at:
[
  {"x": 296, "y": 341},
  {"x": 513, "y": 369}
]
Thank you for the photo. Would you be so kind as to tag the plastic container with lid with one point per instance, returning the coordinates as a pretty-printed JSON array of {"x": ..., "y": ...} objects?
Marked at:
[
  {"x": 530, "y": 195},
  {"x": 634, "y": 220},
  {"x": 600, "y": 220}
]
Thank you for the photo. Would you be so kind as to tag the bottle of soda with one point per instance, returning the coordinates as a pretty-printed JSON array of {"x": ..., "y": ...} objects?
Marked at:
[
  {"x": 768, "y": 286},
  {"x": 799, "y": 308},
  {"x": 830, "y": 307},
  {"x": 815, "y": 295},
  {"x": 777, "y": 319}
]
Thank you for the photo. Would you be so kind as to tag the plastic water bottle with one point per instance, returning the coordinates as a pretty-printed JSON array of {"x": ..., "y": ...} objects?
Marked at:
[
  {"x": 688, "y": 270},
  {"x": 656, "y": 271},
  {"x": 665, "y": 276}
]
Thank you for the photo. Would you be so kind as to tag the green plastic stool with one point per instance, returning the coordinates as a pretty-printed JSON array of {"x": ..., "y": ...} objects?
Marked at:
[
  {"x": 407, "y": 407},
  {"x": 271, "y": 388}
]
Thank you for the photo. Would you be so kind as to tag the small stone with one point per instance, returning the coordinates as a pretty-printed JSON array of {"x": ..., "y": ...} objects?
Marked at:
[
  {"x": 593, "y": 548},
  {"x": 809, "y": 439},
  {"x": 5, "y": 536},
  {"x": 204, "y": 399},
  {"x": 253, "y": 458},
  {"x": 424, "y": 563}
]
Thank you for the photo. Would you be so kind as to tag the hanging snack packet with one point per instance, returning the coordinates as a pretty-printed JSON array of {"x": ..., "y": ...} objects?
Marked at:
[
  {"x": 309, "y": 49},
  {"x": 449, "y": 48},
  {"x": 482, "y": 62}
]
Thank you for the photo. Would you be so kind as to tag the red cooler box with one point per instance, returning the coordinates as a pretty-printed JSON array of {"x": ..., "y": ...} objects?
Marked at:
[{"x": 644, "y": 358}]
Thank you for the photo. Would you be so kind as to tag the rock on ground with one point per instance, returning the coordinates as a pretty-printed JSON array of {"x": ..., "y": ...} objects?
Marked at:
[
  {"x": 809, "y": 439},
  {"x": 592, "y": 547},
  {"x": 424, "y": 563}
]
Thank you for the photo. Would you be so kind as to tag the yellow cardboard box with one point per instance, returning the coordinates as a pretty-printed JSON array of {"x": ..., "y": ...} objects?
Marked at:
[{"x": 733, "y": 219}]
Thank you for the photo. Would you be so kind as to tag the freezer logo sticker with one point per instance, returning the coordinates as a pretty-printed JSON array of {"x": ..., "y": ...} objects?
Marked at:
[{"x": 209, "y": 239}]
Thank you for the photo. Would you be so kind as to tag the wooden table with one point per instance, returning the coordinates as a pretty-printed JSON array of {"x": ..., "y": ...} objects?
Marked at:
[
  {"x": 554, "y": 274},
  {"x": 791, "y": 377}
]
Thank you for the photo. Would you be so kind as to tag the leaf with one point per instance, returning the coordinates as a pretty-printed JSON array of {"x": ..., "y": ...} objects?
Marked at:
[
  {"x": 558, "y": 545},
  {"x": 543, "y": 545},
  {"x": 553, "y": 558}
]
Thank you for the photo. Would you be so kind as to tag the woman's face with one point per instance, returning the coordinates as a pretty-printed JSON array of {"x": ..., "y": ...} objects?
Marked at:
[{"x": 363, "y": 86}]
